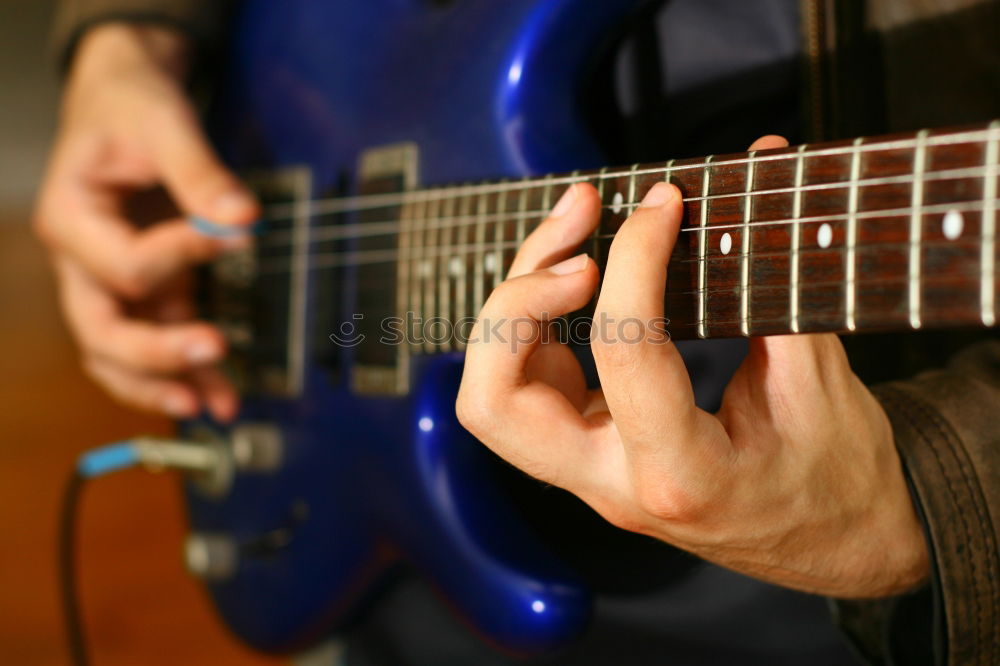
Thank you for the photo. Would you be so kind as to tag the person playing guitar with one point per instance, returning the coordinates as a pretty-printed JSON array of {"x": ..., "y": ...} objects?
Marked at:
[{"x": 781, "y": 465}]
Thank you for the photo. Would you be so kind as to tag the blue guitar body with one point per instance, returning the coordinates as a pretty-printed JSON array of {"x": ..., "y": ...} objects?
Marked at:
[{"x": 370, "y": 483}]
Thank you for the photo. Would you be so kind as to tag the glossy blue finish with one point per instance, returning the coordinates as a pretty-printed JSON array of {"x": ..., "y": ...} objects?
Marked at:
[{"x": 486, "y": 89}]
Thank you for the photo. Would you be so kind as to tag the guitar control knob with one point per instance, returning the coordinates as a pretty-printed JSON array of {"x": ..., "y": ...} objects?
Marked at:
[
  {"x": 256, "y": 447},
  {"x": 211, "y": 557}
]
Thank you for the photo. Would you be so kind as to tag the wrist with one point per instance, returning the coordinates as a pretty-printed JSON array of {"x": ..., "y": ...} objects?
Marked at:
[
  {"x": 116, "y": 47},
  {"x": 892, "y": 552}
]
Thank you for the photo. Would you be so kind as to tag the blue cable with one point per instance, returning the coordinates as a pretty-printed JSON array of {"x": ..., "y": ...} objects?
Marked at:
[{"x": 107, "y": 459}]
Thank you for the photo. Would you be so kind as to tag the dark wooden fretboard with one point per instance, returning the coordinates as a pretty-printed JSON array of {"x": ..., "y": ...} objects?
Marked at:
[{"x": 896, "y": 232}]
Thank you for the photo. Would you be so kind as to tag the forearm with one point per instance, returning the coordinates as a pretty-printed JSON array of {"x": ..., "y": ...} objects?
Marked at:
[
  {"x": 113, "y": 50},
  {"x": 200, "y": 21},
  {"x": 945, "y": 428},
  {"x": 127, "y": 125}
]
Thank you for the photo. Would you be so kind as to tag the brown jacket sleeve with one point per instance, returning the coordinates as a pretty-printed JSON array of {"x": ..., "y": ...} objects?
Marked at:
[
  {"x": 201, "y": 20},
  {"x": 947, "y": 429}
]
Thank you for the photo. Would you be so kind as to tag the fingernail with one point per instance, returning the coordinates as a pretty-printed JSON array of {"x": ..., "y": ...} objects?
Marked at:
[
  {"x": 658, "y": 196},
  {"x": 570, "y": 266},
  {"x": 230, "y": 205},
  {"x": 202, "y": 352},
  {"x": 565, "y": 203},
  {"x": 175, "y": 405}
]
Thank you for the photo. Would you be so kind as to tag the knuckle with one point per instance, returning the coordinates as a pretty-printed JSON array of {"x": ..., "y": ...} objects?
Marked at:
[
  {"x": 506, "y": 297},
  {"x": 623, "y": 519},
  {"x": 170, "y": 109},
  {"x": 611, "y": 352},
  {"x": 540, "y": 470},
  {"x": 45, "y": 220},
  {"x": 131, "y": 279},
  {"x": 91, "y": 370},
  {"x": 505, "y": 291},
  {"x": 664, "y": 501},
  {"x": 472, "y": 411},
  {"x": 41, "y": 225}
]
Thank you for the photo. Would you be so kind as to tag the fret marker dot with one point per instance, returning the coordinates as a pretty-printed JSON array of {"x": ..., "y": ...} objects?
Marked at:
[
  {"x": 824, "y": 237},
  {"x": 456, "y": 266},
  {"x": 726, "y": 244},
  {"x": 617, "y": 203},
  {"x": 952, "y": 224},
  {"x": 490, "y": 263}
]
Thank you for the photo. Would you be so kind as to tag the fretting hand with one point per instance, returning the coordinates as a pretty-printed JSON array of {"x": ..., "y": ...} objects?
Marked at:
[{"x": 795, "y": 480}]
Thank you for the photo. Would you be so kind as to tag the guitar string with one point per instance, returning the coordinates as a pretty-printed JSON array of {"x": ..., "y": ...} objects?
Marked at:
[
  {"x": 728, "y": 287},
  {"x": 290, "y": 210},
  {"x": 333, "y": 232},
  {"x": 901, "y": 282},
  {"x": 324, "y": 260},
  {"x": 865, "y": 282},
  {"x": 713, "y": 262}
]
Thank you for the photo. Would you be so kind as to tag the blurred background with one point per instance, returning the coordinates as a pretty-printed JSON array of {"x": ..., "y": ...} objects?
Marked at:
[{"x": 138, "y": 603}]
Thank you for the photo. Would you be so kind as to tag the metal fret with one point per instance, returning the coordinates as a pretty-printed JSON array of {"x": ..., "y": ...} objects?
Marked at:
[
  {"x": 745, "y": 262},
  {"x": 916, "y": 224},
  {"x": 575, "y": 174},
  {"x": 547, "y": 196},
  {"x": 364, "y": 202},
  {"x": 498, "y": 238},
  {"x": 669, "y": 171},
  {"x": 297, "y": 303},
  {"x": 522, "y": 213},
  {"x": 794, "y": 290},
  {"x": 596, "y": 236},
  {"x": 428, "y": 270},
  {"x": 457, "y": 266},
  {"x": 444, "y": 276},
  {"x": 989, "y": 222},
  {"x": 850, "y": 257},
  {"x": 631, "y": 202},
  {"x": 702, "y": 249},
  {"x": 417, "y": 258},
  {"x": 405, "y": 262},
  {"x": 479, "y": 287}
]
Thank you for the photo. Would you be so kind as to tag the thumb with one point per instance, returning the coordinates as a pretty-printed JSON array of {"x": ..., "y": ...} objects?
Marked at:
[{"x": 195, "y": 176}]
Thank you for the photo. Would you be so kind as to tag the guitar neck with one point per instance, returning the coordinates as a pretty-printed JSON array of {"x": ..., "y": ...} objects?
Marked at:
[
  {"x": 896, "y": 232},
  {"x": 888, "y": 233}
]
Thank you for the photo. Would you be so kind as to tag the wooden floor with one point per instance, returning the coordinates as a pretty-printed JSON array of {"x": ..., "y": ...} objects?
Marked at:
[{"x": 139, "y": 605}]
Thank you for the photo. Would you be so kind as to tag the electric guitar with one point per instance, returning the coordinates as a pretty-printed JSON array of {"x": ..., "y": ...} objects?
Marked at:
[{"x": 347, "y": 319}]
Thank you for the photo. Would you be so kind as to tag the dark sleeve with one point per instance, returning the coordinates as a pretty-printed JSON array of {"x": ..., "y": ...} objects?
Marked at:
[
  {"x": 202, "y": 20},
  {"x": 946, "y": 425}
]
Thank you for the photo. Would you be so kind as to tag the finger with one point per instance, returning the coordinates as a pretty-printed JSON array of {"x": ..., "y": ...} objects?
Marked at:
[
  {"x": 645, "y": 381},
  {"x": 194, "y": 174},
  {"x": 82, "y": 220},
  {"x": 216, "y": 392},
  {"x": 155, "y": 394},
  {"x": 102, "y": 329},
  {"x": 799, "y": 364},
  {"x": 555, "y": 364},
  {"x": 529, "y": 423},
  {"x": 792, "y": 379},
  {"x": 769, "y": 141},
  {"x": 173, "y": 302},
  {"x": 572, "y": 220},
  {"x": 214, "y": 389},
  {"x": 508, "y": 329}
]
